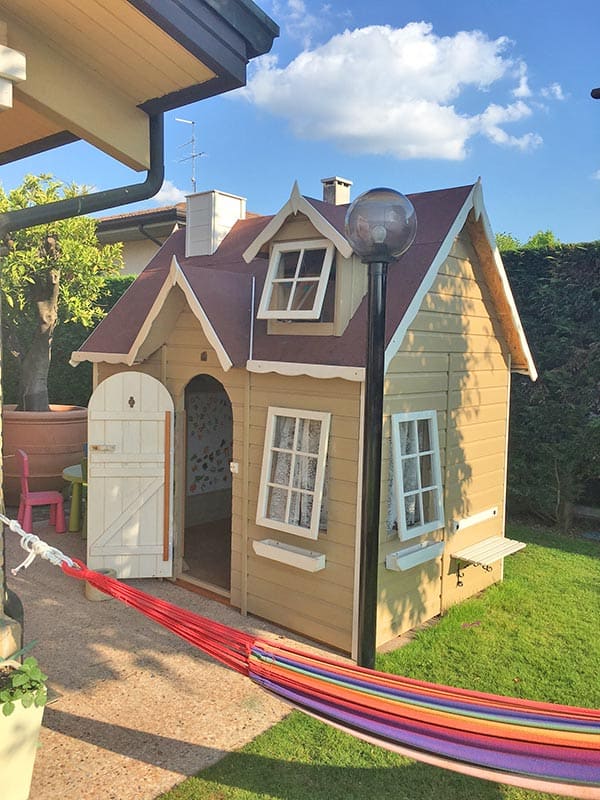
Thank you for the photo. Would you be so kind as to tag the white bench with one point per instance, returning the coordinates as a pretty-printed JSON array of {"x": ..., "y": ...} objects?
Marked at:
[{"x": 485, "y": 553}]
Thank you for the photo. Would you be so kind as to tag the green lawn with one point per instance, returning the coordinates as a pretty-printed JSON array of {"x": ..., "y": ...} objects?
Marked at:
[{"x": 536, "y": 636}]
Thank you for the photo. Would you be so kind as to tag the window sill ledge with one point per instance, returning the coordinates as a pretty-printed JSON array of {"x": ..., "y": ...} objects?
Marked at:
[
  {"x": 307, "y": 560},
  {"x": 403, "y": 560}
]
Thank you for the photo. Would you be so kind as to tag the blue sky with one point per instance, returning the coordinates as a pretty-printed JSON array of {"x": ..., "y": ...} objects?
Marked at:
[{"x": 412, "y": 95}]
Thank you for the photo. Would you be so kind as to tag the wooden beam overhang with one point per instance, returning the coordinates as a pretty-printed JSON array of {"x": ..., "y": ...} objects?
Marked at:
[
  {"x": 97, "y": 69},
  {"x": 73, "y": 98}
]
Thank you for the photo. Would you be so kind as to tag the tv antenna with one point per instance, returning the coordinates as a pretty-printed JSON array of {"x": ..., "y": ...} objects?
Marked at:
[{"x": 194, "y": 154}]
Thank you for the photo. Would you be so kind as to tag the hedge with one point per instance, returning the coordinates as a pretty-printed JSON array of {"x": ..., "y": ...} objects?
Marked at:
[{"x": 554, "y": 446}]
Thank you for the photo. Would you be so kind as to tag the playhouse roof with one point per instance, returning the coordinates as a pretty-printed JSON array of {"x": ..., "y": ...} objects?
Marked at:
[{"x": 221, "y": 288}]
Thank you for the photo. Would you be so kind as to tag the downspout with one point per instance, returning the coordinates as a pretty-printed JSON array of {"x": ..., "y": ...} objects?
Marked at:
[
  {"x": 153, "y": 239},
  {"x": 98, "y": 201}
]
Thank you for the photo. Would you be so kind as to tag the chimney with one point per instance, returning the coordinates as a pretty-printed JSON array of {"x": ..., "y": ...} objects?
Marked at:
[
  {"x": 336, "y": 190},
  {"x": 210, "y": 217}
]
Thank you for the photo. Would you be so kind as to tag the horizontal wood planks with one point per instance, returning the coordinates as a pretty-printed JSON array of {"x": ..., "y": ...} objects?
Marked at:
[{"x": 452, "y": 360}]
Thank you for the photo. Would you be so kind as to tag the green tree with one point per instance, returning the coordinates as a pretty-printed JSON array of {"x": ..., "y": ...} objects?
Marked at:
[
  {"x": 542, "y": 239},
  {"x": 50, "y": 274},
  {"x": 506, "y": 241}
]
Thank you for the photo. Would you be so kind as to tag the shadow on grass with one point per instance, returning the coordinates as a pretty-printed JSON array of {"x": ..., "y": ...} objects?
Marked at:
[{"x": 274, "y": 778}]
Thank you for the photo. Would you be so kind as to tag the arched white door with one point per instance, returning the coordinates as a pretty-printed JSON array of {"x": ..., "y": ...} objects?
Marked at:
[{"x": 130, "y": 477}]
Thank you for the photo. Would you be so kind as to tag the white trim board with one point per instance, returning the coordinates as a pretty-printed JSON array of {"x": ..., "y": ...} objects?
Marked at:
[
  {"x": 175, "y": 277},
  {"x": 356, "y": 374},
  {"x": 298, "y": 203}
]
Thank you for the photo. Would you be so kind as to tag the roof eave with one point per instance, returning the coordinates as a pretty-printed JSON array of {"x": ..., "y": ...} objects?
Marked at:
[
  {"x": 297, "y": 203},
  {"x": 223, "y": 34},
  {"x": 174, "y": 277}
]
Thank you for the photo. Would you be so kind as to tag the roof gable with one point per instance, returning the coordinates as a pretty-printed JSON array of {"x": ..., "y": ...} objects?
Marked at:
[
  {"x": 297, "y": 203},
  {"x": 222, "y": 290}
]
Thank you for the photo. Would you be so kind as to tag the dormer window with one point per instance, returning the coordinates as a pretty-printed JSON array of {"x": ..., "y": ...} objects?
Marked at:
[{"x": 297, "y": 280}]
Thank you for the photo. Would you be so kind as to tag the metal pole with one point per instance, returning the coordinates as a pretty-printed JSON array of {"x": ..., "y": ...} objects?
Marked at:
[{"x": 373, "y": 421}]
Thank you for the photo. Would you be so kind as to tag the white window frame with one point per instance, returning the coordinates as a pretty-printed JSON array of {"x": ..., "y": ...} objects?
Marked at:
[
  {"x": 279, "y": 248},
  {"x": 399, "y": 458},
  {"x": 269, "y": 448}
]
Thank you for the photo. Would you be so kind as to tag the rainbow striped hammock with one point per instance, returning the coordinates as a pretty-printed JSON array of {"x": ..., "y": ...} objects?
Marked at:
[{"x": 534, "y": 745}]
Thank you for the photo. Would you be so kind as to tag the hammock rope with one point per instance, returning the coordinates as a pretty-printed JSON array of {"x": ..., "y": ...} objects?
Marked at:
[{"x": 535, "y": 745}]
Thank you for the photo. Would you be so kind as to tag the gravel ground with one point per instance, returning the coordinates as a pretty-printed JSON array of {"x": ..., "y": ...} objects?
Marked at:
[{"x": 135, "y": 709}]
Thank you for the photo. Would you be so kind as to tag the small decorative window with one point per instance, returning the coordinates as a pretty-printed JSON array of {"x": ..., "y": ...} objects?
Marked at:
[
  {"x": 417, "y": 492},
  {"x": 291, "y": 495},
  {"x": 296, "y": 280}
]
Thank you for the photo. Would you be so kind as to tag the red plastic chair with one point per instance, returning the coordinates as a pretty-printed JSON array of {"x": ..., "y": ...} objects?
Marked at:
[{"x": 30, "y": 499}]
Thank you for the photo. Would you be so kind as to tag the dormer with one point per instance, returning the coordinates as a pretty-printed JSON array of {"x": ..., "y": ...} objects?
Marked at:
[{"x": 314, "y": 283}]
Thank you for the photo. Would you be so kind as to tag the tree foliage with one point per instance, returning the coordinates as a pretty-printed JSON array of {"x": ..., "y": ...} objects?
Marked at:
[
  {"x": 507, "y": 242},
  {"x": 50, "y": 274},
  {"x": 555, "y": 422}
]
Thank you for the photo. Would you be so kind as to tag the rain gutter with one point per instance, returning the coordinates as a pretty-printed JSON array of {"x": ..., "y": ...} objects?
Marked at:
[{"x": 97, "y": 201}]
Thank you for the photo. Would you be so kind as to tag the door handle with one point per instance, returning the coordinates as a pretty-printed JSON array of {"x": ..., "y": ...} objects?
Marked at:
[{"x": 103, "y": 448}]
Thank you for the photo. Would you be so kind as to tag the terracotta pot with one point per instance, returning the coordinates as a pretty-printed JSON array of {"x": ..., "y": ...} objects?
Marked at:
[{"x": 52, "y": 439}]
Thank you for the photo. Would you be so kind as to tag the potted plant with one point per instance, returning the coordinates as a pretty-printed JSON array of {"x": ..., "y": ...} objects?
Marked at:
[
  {"x": 23, "y": 696},
  {"x": 50, "y": 275}
]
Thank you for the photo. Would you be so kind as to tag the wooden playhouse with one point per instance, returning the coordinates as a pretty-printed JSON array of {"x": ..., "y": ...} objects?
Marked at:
[{"x": 225, "y": 428}]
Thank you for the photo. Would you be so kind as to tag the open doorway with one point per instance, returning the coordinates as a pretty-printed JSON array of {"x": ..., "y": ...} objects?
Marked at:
[{"x": 209, "y": 443}]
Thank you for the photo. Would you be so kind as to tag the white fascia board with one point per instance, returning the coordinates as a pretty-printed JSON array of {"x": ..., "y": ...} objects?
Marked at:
[
  {"x": 202, "y": 317},
  {"x": 157, "y": 305},
  {"x": 515, "y": 318},
  {"x": 79, "y": 356},
  {"x": 356, "y": 374},
  {"x": 174, "y": 277},
  {"x": 427, "y": 282},
  {"x": 298, "y": 203}
]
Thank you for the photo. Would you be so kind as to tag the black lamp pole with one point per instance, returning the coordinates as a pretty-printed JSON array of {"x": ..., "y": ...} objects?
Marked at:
[
  {"x": 372, "y": 437},
  {"x": 380, "y": 225}
]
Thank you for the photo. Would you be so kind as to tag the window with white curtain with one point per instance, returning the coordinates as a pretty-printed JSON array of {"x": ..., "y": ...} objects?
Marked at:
[
  {"x": 292, "y": 495},
  {"x": 417, "y": 496},
  {"x": 296, "y": 280}
]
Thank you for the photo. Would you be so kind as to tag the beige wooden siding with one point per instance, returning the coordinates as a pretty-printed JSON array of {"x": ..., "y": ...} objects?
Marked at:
[
  {"x": 318, "y": 604},
  {"x": 453, "y": 360},
  {"x": 185, "y": 354}
]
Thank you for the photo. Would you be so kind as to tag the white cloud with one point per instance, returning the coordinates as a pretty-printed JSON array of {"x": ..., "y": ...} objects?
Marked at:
[
  {"x": 299, "y": 24},
  {"x": 522, "y": 89},
  {"x": 169, "y": 195},
  {"x": 495, "y": 115},
  {"x": 554, "y": 92},
  {"x": 596, "y": 175},
  {"x": 395, "y": 91}
]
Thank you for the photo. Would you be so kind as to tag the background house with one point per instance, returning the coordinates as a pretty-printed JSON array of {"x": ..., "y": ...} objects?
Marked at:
[
  {"x": 225, "y": 432},
  {"x": 142, "y": 233}
]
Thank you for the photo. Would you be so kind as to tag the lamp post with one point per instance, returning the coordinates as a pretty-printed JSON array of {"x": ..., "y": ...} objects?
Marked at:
[{"x": 381, "y": 224}]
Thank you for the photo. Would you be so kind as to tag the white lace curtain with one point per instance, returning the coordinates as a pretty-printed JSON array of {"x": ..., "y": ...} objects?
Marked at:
[{"x": 295, "y": 452}]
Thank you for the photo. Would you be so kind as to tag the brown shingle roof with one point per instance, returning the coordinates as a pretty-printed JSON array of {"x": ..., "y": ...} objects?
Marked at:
[{"x": 222, "y": 284}]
